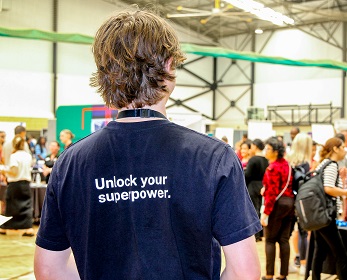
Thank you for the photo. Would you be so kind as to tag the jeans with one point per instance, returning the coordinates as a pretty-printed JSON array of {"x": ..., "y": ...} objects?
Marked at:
[{"x": 278, "y": 230}]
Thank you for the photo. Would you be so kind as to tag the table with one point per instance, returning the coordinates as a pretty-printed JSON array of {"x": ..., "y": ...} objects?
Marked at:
[{"x": 38, "y": 192}]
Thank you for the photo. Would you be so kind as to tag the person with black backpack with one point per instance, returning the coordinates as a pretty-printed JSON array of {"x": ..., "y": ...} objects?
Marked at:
[
  {"x": 299, "y": 158},
  {"x": 328, "y": 238}
]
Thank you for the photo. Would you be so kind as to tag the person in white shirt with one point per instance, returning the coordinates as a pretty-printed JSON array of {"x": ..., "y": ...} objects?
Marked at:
[
  {"x": 8, "y": 148},
  {"x": 18, "y": 195}
]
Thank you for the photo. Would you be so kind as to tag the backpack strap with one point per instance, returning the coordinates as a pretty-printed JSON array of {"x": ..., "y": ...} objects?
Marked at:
[{"x": 321, "y": 170}]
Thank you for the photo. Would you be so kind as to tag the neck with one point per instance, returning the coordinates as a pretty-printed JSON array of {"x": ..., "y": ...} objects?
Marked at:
[
  {"x": 159, "y": 107},
  {"x": 334, "y": 157},
  {"x": 68, "y": 143}
]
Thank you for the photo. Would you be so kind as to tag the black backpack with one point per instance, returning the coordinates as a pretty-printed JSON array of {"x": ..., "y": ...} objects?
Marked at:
[
  {"x": 313, "y": 207},
  {"x": 299, "y": 176}
]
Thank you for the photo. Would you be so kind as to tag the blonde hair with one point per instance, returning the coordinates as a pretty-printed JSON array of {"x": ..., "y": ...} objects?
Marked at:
[
  {"x": 301, "y": 149},
  {"x": 67, "y": 131}
]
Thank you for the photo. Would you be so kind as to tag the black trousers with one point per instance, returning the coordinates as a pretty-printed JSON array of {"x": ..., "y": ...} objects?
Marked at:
[
  {"x": 328, "y": 239},
  {"x": 254, "y": 188},
  {"x": 19, "y": 206},
  {"x": 278, "y": 230}
]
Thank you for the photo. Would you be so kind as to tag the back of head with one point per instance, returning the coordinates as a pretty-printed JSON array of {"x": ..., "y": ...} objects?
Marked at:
[
  {"x": 328, "y": 149},
  {"x": 225, "y": 139},
  {"x": 301, "y": 149},
  {"x": 19, "y": 129},
  {"x": 341, "y": 136},
  {"x": 68, "y": 132},
  {"x": 132, "y": 50},
  {"x": 259, "y": 144},
  {"x": 18, "y": 143}
]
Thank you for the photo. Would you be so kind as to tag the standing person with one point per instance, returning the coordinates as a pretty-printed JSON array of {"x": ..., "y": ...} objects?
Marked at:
[
  {"x": 328, "y": 238},
  {"x": 293, "y": 132},
  {"x": 40, "y": 149},
  {"x": 300, "y": 156},
  {"x": 2, "y": 177},
  {"x": 147, "y": 195},
  {"x": 8, "y": 146},
  {"x": 54, "y": 148},
  {"x": 313, "y": 163},
  {"x": 254, "y": 174},
  {"x": 2, "y": 141},
  {"x": 18, "y": 195},
  {"x": 66, "y": 137},
  {"x": 279, "y": 207},
  {"x": 244, "y": 151},
  {"x": 238, "y": 145}
]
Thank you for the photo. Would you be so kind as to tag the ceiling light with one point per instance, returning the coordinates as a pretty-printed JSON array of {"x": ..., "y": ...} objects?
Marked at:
[
  {"x": 262, "y": 12},
  {"x": 258, "y": 31}
]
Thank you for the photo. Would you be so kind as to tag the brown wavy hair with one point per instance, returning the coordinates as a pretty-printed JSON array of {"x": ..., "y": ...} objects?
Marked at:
[
  {"x": 131, "y": 51},
  {"x": 328, "y": 148},
  {"x": 18, "y": 143}
]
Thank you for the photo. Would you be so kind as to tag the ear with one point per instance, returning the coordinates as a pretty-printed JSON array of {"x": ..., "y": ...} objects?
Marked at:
[
  {"x": 335, "y": 149},
  {"x": 169, "y": 64}
]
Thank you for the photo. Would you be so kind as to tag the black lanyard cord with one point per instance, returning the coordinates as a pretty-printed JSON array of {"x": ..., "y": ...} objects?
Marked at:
[{"x": 142, "y": 113}]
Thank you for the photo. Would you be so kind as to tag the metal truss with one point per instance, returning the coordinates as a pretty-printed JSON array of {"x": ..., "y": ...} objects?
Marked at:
[
  {"x": 214, "y": 87},
  {"x": 293, "y": 115}
]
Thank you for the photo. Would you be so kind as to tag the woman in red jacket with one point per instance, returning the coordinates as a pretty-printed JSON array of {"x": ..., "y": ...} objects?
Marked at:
[{"x": 279, "y": 207}]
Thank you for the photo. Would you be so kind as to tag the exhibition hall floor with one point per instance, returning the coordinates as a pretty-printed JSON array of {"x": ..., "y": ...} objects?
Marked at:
[{"x": 16, "y": 257}]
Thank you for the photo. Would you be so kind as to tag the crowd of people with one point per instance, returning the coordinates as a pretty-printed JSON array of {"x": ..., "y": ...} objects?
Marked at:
[
  {"x": 269, "y": 176},
  {"x": 144, "y": 198},
  {"x": 21, "y": 158}
]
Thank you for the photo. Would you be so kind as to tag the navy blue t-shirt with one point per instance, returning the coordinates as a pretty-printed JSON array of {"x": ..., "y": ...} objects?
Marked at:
[{"x": 144, "y": 200}]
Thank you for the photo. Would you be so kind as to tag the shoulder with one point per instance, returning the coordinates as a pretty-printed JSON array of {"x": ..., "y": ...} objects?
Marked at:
[
  {"x": 255, "y": 159},
  {"x": 279, "y": 165}
]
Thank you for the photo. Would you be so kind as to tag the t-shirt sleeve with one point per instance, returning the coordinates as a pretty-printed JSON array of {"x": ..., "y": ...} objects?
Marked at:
[
  {"x": 13, "y": 161},
  {"x": 51, "y": 235},
  {"x": 330, "y": 175},
  {"x": 234, "y": 217}
]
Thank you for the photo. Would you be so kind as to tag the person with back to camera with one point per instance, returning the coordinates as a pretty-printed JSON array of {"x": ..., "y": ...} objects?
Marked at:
[
  {"x": 300, "y": 156},
  {"x": 279, "y": 207},
  {"x": 328, "y": 238},
  {"x": 66, "y": 137},
  {"x": 7, "y": 148},
  {"x": 143, "y": 197},
  {"x": 254, "y": 174},
  {"x": 18, "y": 195}
]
